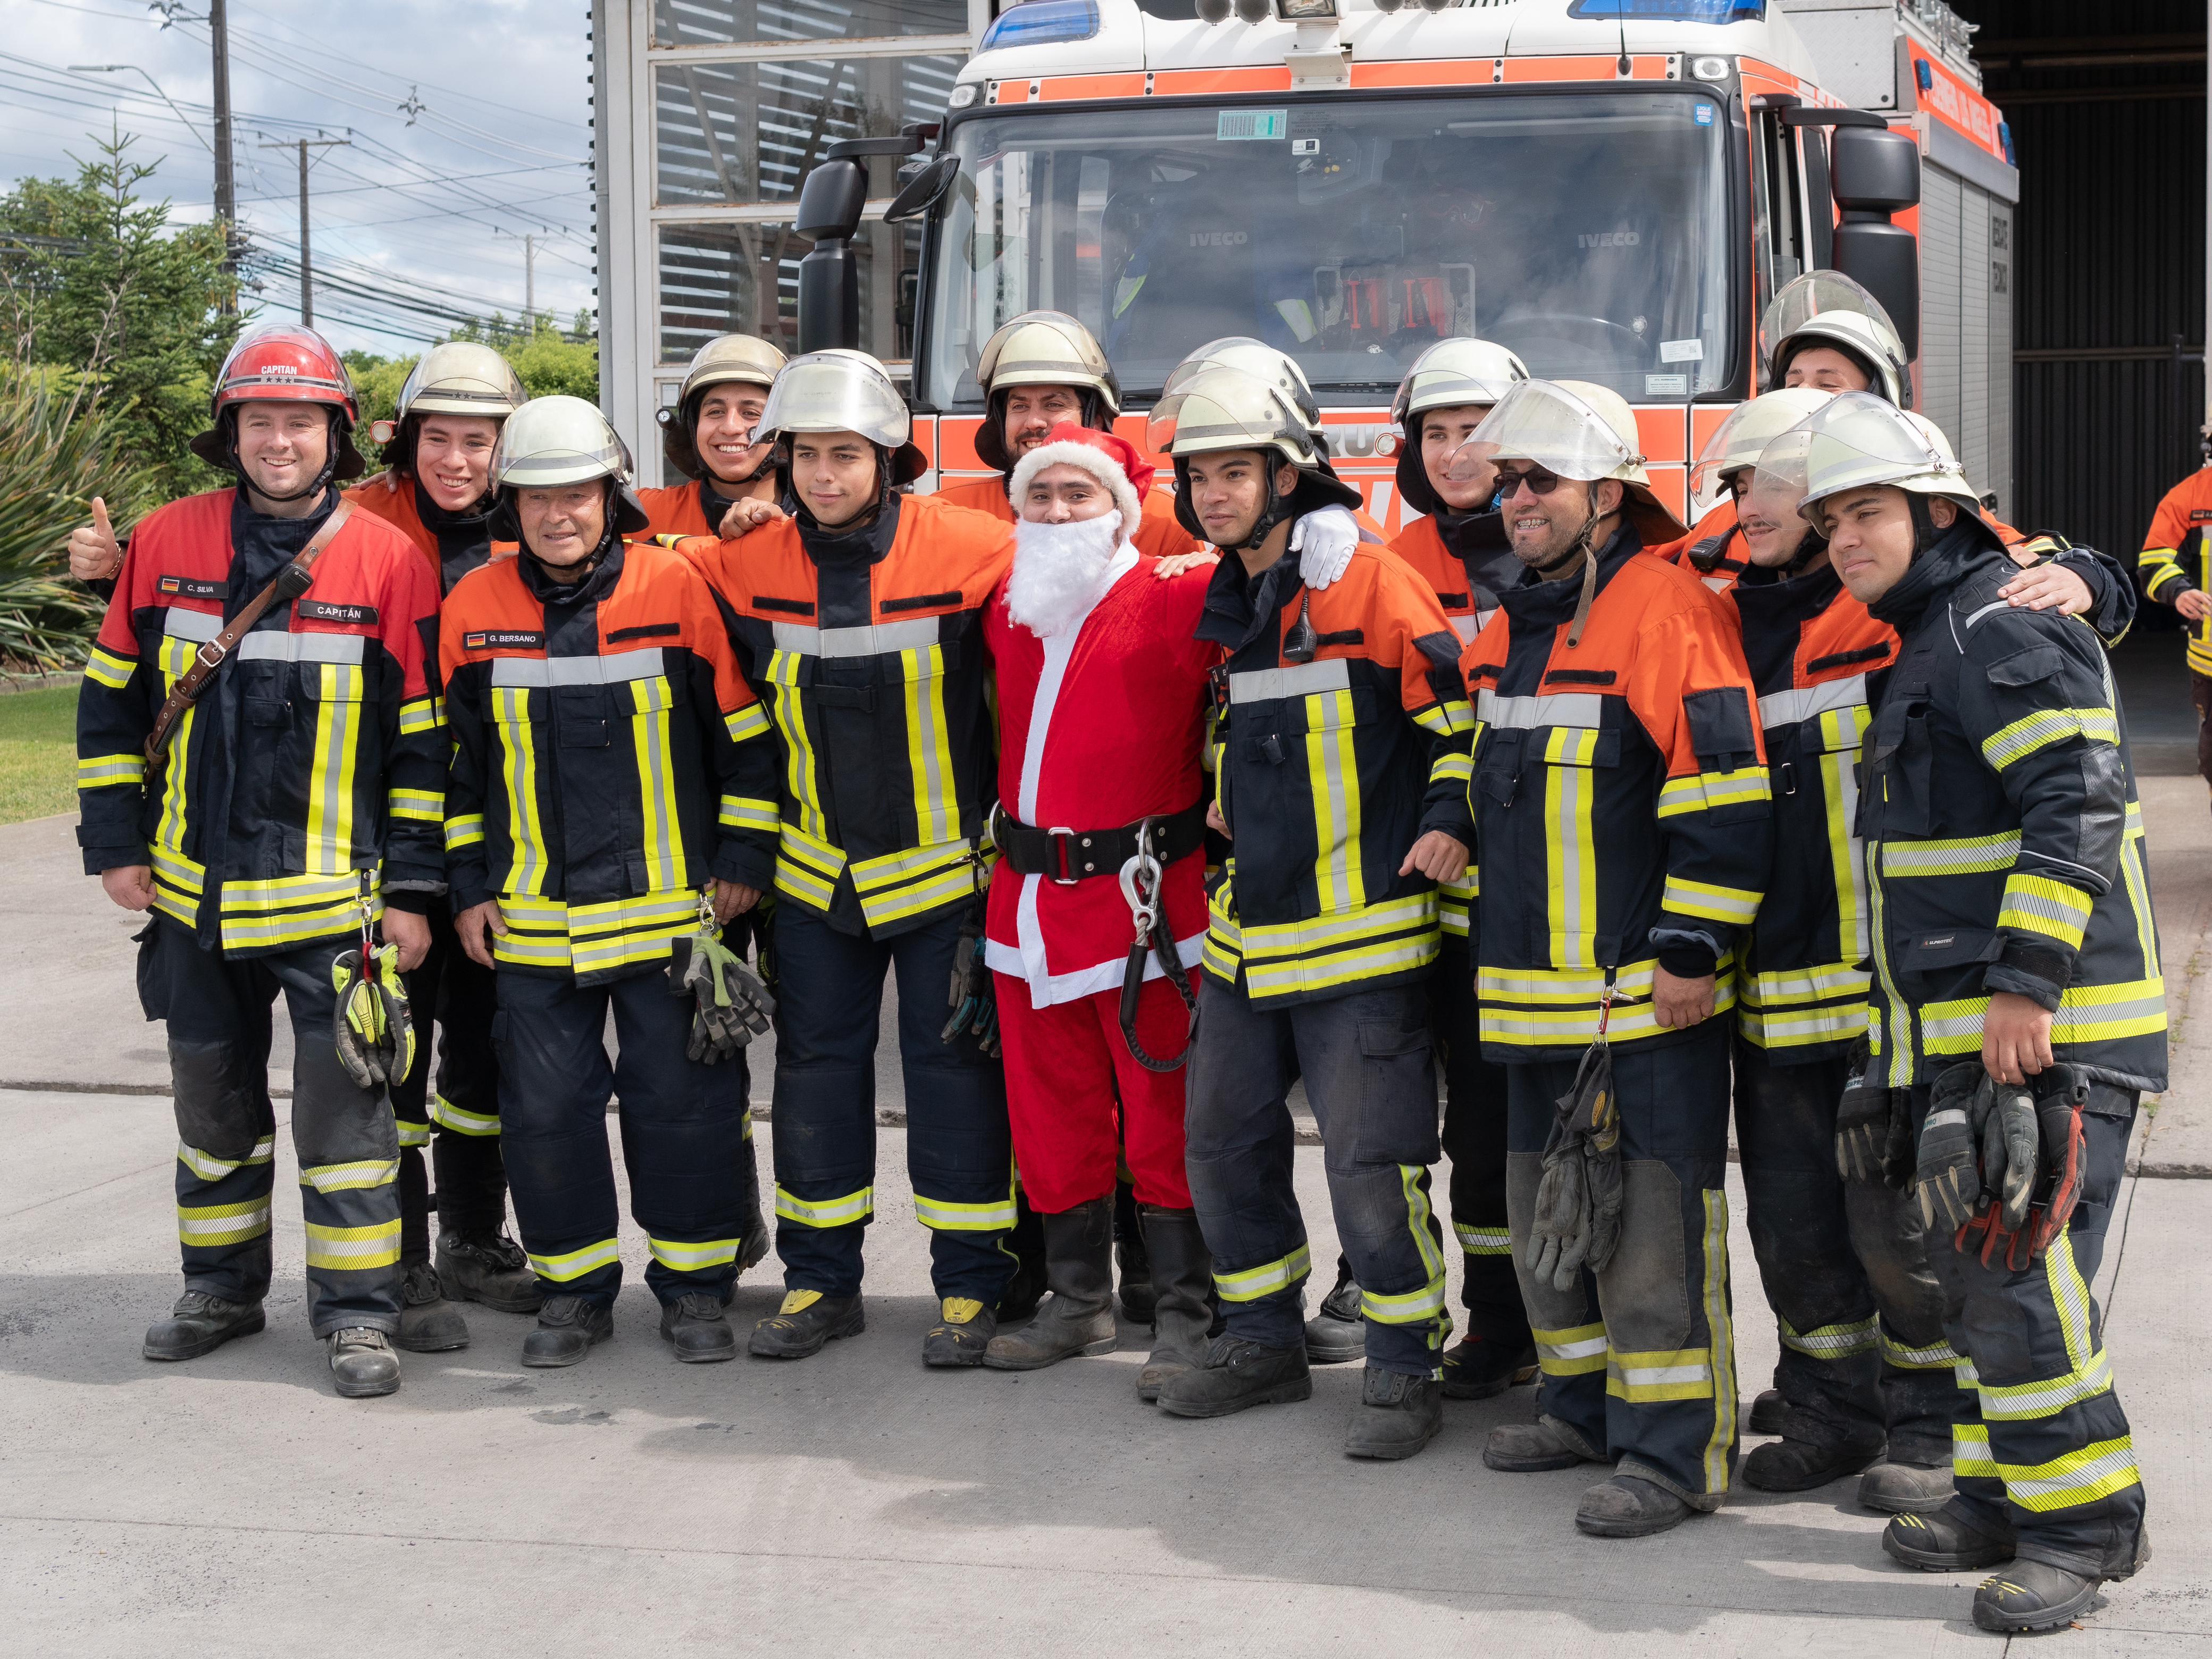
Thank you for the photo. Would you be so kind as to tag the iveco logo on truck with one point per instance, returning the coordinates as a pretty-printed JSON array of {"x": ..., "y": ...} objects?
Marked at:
[
  {"x": 1219, "y": 238},
  {"x": 1610, "y": 239}
]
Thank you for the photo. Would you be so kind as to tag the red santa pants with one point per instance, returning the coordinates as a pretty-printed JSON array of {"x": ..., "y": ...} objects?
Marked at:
[{"x": 1069, "y": 1073}]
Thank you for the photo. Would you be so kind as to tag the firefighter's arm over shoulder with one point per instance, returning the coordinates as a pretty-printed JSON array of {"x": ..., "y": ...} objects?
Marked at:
[
  {"x": 2159, "y": 563},
  {"x": 749, "y": 818},
  {"x": 414, "y": 739},
  {"x": 468, "y": 867},
  {"x": 1690, "y": 690},
  {"x": 2112, "y": 606},
  {"x": 114, "y": 713},
  {"x": 2031, "y": 695},
  {"x": 1432, "y": 692}
]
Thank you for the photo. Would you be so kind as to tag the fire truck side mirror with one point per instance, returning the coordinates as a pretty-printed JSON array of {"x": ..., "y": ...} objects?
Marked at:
[
  {"x": 1876, "y": 172},
  {"x": 829, "y": 205},
  {"x": 924, "y": 191}
]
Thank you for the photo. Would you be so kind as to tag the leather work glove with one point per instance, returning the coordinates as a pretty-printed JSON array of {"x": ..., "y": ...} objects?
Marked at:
[
  {"x": 1323, "y": 542},
  {"x": 1947, "y": 1176},
  {"x": 1863, "y": 1131},
  {"x": 373, "y": 1027},
  {"x": 973, "y": 998},
  {"x": 1578, "y": 1200},
  {"x": 2010, "y": 1164},
  {"x": 2061, "y": 1092},
  {"x": 731, "y": 1006}
]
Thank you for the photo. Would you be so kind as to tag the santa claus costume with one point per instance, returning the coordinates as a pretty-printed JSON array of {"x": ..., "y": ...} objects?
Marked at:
[{"x": 1102, "y": 701}]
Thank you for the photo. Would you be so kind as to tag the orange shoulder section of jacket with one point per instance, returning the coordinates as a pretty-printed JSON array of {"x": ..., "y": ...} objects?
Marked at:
[
  {"x": 491, "y": 613},
  {"x": 978, "y": 495},
  {"x": 1159, "y": 532},
  {"x": 674, "y": 510},
  {"x": 942, "y": 550},
  {"x": 766, "y": 573},
  {"x": 1648, "y": 590},
  {"x": 1421, "y": 545},
  {"x": 1843, "y": 640}
]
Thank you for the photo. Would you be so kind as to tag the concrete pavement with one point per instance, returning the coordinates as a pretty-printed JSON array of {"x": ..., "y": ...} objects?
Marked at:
[{"x": 857, "y": 1502}]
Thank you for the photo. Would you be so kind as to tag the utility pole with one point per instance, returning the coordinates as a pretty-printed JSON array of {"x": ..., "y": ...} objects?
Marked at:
[
  {"x": 529, "y": 240},
  {"x": 306, "y": 258},
  {"x": 226, "y": 191}
]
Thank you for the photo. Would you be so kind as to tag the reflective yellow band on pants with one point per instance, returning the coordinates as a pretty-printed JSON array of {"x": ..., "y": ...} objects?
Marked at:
[
  {"x": 1266, "y": 1280},
  {"x": 691, "y": 1258},
  {"x": 208, "y": 1167},
  {"x": 1483, "y": 1241},
  {"x": 1970, "y": 1458},
  {"x": 1577, "y": 1350},
  {"x": 223, "y": 1223},
  {"x": 461, "y": 1121},
  {"x": 825, "y": 1211},
  {"x": 1831, "y": 1341},
  {"x": 1646, "y": 1378},
  {"x": 1409, "y": 1309},
  {"x": 1943, "y": 1357},
  {"x": 947, "y": 1216},
  {"x": 2096, "y": 1471},
  {"x": 360, "y": 1174},
  {"x": 414, "y": 1132},
  {"x": 574, "y": 1264},
  {"x": 354, "y": 1248},
  {"x": 2021, "y": 1402}
]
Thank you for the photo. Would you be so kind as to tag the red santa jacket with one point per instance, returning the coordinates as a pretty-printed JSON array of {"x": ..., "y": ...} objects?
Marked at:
[{"x": 1100, "y": 726}]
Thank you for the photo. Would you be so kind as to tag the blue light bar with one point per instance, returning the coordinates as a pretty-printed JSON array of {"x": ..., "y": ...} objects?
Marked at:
[
  {"x": 1676, "y": 11},
  {"x": 1042, "y": 22}
]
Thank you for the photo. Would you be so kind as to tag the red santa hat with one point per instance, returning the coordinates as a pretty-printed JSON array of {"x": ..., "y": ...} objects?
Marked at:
[{"x": 1114, "y": 461}]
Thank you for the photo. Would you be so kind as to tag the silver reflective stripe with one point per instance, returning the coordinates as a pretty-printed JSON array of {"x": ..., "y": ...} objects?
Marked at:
[
  {"x": 870, "y": 639},
  {"x": 578, "y": 670},
  {"x": 1465, "y": 627},
  {"x": 1803, "y": 702},
  {"x": 1581, "y": 708},
  {"x": 198, "y": 626},
  {"x": 1995, "y": 604},
  {"x": 1298, "y": 680},
  {"x": 271, "y": 646}
]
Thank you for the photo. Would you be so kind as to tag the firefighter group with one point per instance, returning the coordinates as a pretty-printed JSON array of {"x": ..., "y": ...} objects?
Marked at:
[{"x": 1158, "y": 802}]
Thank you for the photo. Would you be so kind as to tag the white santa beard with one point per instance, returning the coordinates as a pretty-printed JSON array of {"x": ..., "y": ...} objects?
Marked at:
[{"x": 1059, "y": 571}]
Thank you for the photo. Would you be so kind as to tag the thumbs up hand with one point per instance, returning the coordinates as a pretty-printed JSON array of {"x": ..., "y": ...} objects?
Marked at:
[{"x": 94, "y": 554}]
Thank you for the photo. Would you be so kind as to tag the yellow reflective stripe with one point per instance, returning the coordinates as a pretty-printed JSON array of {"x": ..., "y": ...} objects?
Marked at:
[
  {"x": 1802, "y": 987},
  {"x": 1706, "y": 790},
  {"x": 414, "y": 1132},
  {"x": 447, "y": 1116},
  {"x": 1710, "y": 900},
  {"x": 1333, "y": 777},
  {"x": 2096, "y": 1471},
  {"x": 750, "y": 722},
  {"x": 1831, "y": 1341},
  {"x": 286, "y": 910},
  {"x": 1720, "y": 1333},
  {"x": 681, "y": 1257},
  {"x": 1839, "y": 795},
  {"x": 2036, "y": 904},
  {"x": 1570, "y": 864},
  {"x": 465, "y": 829},
  {"x": 1447, "y": 718},
  {"x": 223, "y": 1223},
  {"x": 355, "y": 1177},
  {"x": 1271, "y": 972},
  {"x": 661, "y": 839},
  {"x": 1427, "y": 1303},
  {"x": 1966, "y": 855},
  {"x": 1891, "y": 1010},
  {"x": 2087, "y": 1013},
  {"x": 750, "y": 812},
  {"x": 420, "y": 714},
  {"x": 354, "y": 1248},
  {"x": 1539, "y": 1007},
  {"x": 1483, "y": 1241},
  {"x": 208, "y": 1167},
  {"x": 1266, "y": 1280},
  {"x": 946, "y": 1216},
  {"x": 1645, "y": 1379},
  {"x": 102, "y": 771},
  {"x": 806, "y": 867},
  {"x": 574, "y": 1264},
  {"x": 330, "y": 782},
  {"x": 427, "y": 804},
  {"x": 2138, "y": 886},
  {"x": 1940, "y": 1358},
  {"x": 1576, "y": 1350},
  {"x": 624, "y": 933},
  {"x": 1455, "y": 764},
  {"x": 787, "y": 709},
  {"x": 1970, "y": 1458},
  {"x": 1800, "y": 1028},
  {"x": 929, "y": 745},
  {"x": 517, "y": 741},
  {"x": 2024, "y": 736},
  {"x": 913, "y": 880},
  {"x": 826, "y": 1212},
  {"x": 2021, "y": 1402},
  {"x": 104, "y": 667}
]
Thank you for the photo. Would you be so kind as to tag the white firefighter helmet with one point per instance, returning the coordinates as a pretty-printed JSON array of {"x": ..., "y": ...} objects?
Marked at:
[
  {"x": 1451, "y": 375},
  {"x": 1041, "y": 348},
  {"x": 728, "y": 359},
  {"x": 1858, "y": 439},
  {"x": 1225, "y": 409},
  {"x": 1827, "y": 308},
  {"x": 556, "y": 440},
  {"x": 1262, "y": 362},
  {"x": 460, "y": 377},
  {"x": 1578, "y": 430},
  {"x": 840, "y": 389},
  {"x": 1742, "y": 438}
]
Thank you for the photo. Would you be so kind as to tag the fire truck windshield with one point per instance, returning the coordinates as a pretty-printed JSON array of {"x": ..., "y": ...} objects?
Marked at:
[{"x": 1588, "y": 232}]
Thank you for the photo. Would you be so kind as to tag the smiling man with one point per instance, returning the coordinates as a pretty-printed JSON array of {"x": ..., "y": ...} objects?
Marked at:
[{"x": 709, "y": 437}]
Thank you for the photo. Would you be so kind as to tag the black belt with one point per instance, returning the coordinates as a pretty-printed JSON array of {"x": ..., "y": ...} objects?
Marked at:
[{"x": 1067, "y": 856}]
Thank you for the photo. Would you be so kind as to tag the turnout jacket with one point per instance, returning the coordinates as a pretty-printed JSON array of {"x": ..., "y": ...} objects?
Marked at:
[
  {"x": 2003, "y": 843},
  {"x": 1620, "y": 801},
  {"x": 694, "y": 508},
  {"x": 310, "y": 777},
  {"x": 1327, "y": 772},
  {"x": 867, "y": 647},
  {"x": 607, "y": 759},
  {"x": 1713, "y": 551},
  {"x": 2174, "y": 560},
  {"x": 454, "y": 546}
]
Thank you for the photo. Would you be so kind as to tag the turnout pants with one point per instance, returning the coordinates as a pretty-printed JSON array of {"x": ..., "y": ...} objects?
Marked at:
[
  {"x": 1076, "y": 1097},
  {"x": 1369, "y": 1072},
  {"x": 1475, "y": 1141},
  {"x": 218, "y": 1013},
  {"x": 686, "y": 1134},
  {"x": 1639, "y": 1361},
  {"x": 458, "y": 1121},
  {"x": 2040, "y": 1447},
  {"x": 1845, "y": 1266},
  {"x": 958, "y": 1149}
]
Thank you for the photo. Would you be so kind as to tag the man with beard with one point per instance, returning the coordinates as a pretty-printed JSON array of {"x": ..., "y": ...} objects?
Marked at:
[
  {"x": 707, "y": 437},
  {"x": 1102, "y": 693}
]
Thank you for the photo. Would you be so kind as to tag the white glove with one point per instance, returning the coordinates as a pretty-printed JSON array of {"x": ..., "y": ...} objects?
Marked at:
[{"x": 1323, "y": 542}]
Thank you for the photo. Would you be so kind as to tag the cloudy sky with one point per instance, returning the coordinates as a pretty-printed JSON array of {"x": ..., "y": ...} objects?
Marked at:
[{"x": 470, "y": 125}]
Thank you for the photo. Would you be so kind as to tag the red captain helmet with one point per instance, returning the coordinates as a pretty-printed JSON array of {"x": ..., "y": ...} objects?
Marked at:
[{"x": 282, "y": 364}]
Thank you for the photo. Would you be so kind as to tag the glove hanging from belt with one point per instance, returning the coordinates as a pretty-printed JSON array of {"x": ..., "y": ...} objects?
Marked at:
[
  {"x": 1577, "y": 1223},
  {"x": 730, "y": 1008},
  {"x": 973, "y": 997},
  {"x": 2033, "y": 1193},
  {"x": 373, "y": 1027},
  {"x": 1155, "y": 939},
  {"x": 1874, "y": 1135}
]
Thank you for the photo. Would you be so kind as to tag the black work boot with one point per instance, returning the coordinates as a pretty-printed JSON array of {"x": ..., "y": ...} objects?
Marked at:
[
  {"x": 1139, "y": 1299},
  {"x": 1337, "y": 1335},
  {"x": 1477, "y": 1370},
  {"x": 1628, "y": 1506},
  {"x": 1237, "y": 1372},
  {"x": 1892, "y": 1487},
  {"x": 199, "y": 1324},
  {"x": 1788, "y": 1465},
  {"x": 1765, "y": 1416},
  {"x": 2029, "y": 1597},
  {"x": 427, "y": 1323},
  {"x": 490, "y": 1269},
  {"x": 807, "y": 1319},
  {"x": 698, "y": 1328},
  {"x": 1531, "y": 1447},
  {"x": 1396, "y": 1416},
  {"x": 1077, "y": 1317},
  {"x": 362, "y": 1364},
  {"x": 568, "y": 1328},
  {"x": 1944, "y": 1542},
  {"x": 962, "y": 1335},
  {"x": 1182, "y": 1284}
]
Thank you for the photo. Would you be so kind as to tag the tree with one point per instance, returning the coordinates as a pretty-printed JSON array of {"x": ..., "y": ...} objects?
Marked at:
[{"x": 110, "y": 289}]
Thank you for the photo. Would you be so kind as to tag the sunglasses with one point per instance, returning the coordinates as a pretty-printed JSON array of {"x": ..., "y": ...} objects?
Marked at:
[{"x": 1540, "y": 483}]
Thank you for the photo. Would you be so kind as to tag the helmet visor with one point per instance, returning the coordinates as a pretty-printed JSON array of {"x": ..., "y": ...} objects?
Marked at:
[
  {"x": 557, "y": 440},
  {"x": 1823, "y": 293},
  {"x": 1548, "y": 426},
  {"x": 1253, "y": 358},
  {"x": 1453, "y": 375},
  {"x": 828, "y": 392},
  {"x": 1860, "y": 440},
  {"x": 1225, "y": 409},
  {"x": 1775, "y": 499},
  {"x": 1743, "y": 437}
]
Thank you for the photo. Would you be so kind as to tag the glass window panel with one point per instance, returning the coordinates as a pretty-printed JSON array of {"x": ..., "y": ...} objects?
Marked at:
[
  {"x": 729, "y": 22},
  {"x": 743, "y": 279},
  {"x": 747, "y": 132}
]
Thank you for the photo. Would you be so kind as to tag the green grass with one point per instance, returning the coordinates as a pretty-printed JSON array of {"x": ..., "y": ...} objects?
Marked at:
[{"x": 38, "y": 754}]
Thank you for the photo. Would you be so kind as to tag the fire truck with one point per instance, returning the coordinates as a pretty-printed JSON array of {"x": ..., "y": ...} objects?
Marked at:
[{"x": 1614, "y": 189}]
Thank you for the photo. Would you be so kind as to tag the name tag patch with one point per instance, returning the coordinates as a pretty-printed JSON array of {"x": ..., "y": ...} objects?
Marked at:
[
  {"x": 185, "y": 587},
  {"x": 503, "y": 639},
  {"x": 358, "y": 616}
]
